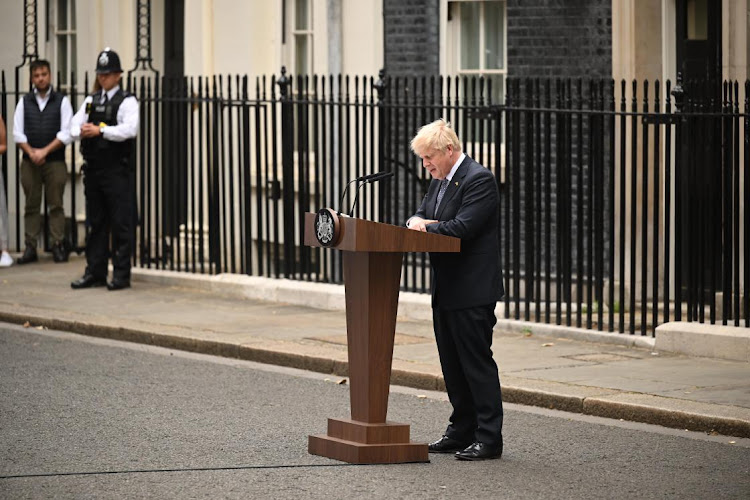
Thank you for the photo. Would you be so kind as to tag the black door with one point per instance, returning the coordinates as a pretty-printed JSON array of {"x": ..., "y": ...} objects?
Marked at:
[
  {"x": 699, "y": 39},
  {"x": 698, "y": 44},
  {"x": 174, "y": 116}
]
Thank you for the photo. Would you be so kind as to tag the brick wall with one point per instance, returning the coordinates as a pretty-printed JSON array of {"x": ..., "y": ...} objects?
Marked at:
[
  {"x": 411, "y": 31},
  {"x": 556, "y": 38},
  {"x": 546, "y": 38},
  {"x": 560, "y": 39}
]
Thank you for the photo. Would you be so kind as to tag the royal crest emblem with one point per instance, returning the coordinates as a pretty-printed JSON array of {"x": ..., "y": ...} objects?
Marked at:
[
  {"x": 103, "y": 59},
  {"x": 326, "y": 227}
]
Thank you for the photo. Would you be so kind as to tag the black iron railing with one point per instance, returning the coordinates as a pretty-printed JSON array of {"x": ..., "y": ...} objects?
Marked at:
[{"x": 623, "y": 204}]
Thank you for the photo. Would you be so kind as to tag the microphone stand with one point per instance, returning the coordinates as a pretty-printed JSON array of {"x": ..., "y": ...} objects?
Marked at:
[
  {"x": 343, "y": 195},
  {"x": 356, "y": 197}
]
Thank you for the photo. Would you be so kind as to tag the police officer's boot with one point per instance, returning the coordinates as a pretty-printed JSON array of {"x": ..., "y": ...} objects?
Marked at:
[
  {"x": 29, "y": 255},
  {"x": 60, "y": 252}
]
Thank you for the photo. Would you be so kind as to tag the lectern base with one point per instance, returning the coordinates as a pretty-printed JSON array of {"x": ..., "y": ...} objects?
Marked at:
[
  {"x": 363, "y": 443},
  {"x": 358, "y": 453}
]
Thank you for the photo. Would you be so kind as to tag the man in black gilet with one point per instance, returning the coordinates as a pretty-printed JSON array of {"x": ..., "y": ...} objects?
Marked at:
[
  {"x": 107, "y": 124},
  {"x": 41, "y": 128}
]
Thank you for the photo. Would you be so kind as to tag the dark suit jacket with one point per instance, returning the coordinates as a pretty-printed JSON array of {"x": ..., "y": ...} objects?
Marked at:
[{"x": 470, "y": 211}]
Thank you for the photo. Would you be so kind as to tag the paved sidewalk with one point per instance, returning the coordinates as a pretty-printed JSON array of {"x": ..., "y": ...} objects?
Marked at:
[{"x": 621, "y": 378}]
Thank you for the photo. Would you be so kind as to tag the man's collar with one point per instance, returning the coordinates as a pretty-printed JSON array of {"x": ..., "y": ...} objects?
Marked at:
[
  {"x": 455, "y": 166},
  {"x": 111, "y": 91},
  {"x": 47, "y": 94}
]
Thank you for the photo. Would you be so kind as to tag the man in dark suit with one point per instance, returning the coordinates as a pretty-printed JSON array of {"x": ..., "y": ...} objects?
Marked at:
[{"x": 463, "y": 201}]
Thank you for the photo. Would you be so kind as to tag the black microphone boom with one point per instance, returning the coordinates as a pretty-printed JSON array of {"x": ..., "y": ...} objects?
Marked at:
[
  {"x": 365, "y": 179},
  {"x": 374, "y": 177}
]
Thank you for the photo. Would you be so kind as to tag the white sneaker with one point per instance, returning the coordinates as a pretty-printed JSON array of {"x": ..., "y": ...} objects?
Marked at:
[{"x": 6, "y": 260}]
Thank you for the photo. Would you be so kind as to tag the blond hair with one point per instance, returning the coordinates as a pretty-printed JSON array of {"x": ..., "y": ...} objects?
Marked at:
[{"x": 435, "y": 136}]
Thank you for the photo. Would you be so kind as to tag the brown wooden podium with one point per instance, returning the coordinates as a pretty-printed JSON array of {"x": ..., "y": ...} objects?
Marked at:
[{"x": 372, "y": 258}]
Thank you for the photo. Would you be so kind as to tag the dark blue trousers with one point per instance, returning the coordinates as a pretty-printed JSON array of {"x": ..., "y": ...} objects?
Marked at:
[
  {"x": 464, "y": 340},
  {"x": 110, "y": 212}
]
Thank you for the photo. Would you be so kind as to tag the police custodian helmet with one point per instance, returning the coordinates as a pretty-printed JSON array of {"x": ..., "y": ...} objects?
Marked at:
[{"x": 108, "y": 62}]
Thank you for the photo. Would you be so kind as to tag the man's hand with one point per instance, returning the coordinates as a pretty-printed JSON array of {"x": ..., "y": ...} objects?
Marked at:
[
  {"x": 38, "y": 156},
  {"x": 419, "y": 224},
  {"x": 89, "y": 130}
]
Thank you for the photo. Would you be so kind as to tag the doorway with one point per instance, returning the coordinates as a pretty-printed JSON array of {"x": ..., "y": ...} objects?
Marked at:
[
  {"x": 698, "y": 51},
  {"x": 699, "y": 39}
]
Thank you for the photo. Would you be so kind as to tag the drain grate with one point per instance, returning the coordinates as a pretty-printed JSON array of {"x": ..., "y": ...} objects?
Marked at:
[{"x": 599, "y": 357}]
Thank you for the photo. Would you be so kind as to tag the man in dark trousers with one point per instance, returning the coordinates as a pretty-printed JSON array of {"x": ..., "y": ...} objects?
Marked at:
[
  {"x": 41, "y": 128},
  {"x": 107, "y": 124},
  {"x": 463, "y": 201}
]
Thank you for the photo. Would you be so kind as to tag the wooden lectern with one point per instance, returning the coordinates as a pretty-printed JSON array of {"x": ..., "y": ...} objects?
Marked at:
[{"x": 373, "y": 254}]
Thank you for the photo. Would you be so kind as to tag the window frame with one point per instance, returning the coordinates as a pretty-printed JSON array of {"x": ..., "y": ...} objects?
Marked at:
[
  {"x": 451, "y": 43},
  {"x": 307, "y": 32},
  {"x": 70, "y": 34},
  {"x": 450, "y": 53}
]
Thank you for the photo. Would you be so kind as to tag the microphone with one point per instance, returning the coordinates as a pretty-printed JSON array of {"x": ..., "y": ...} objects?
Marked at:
[
  {"x": 369, "y": 179},
  {"x": 377, "y": 176},
  {"x": 365, "y": 179}
]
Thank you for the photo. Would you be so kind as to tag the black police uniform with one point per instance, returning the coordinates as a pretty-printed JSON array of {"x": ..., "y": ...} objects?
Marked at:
[{"x": 109, "y": 183}]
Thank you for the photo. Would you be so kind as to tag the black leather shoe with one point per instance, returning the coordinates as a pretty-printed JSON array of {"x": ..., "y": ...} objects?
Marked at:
[
  {"x": 87, "y": 281},
  {"x": 480, "y": 451},
  {"x": 118, "y": 285},
  {"x": 59, "y": 253},
  {"x": 446, "y": 445},
  {"x": 29, "y": 255}
]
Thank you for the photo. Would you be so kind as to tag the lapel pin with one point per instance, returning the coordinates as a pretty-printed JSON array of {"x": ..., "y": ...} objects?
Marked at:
[{"x": 456, "y": 183}]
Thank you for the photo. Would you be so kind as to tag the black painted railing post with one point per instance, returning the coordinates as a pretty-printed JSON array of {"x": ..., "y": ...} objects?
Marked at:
[
  {"x": 381, "y": 87},
  {"x": 287, "y": 170},
  {"x": 746, "y": 215},
  {"x": 214, "y": 203},
  {"x": 680, "y": 155}
]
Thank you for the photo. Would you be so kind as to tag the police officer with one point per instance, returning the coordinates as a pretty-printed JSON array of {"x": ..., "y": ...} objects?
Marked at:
[{"x": 107, "y": 124}]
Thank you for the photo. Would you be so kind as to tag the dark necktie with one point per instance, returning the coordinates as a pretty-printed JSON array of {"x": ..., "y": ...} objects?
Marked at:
[
  {"x": 105, "y": 98},
  {"x": 441, "y": 193}
]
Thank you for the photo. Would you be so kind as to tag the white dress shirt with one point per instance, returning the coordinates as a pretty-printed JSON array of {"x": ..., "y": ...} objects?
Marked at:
[
  {"x": 127, "y": 118},
  {"x": 455, "y": 167},
  {"x": 66, "y": 112}
]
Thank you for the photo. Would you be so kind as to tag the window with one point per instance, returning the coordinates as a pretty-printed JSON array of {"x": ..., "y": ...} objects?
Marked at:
[
  {"x": 474, "y": 46},
  {"x": 476, "y": 42},
  {"x": 302, "y": 37},
  {"x": 62, "y": 21},
  {"x": 298, "y": 20},
  {"x": 697, "y": 20}
]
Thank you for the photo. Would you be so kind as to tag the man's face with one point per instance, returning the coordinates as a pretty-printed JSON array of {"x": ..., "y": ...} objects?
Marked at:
[
  {"x": 108, "y": 80},
  {"x": 438, "y": 163},
  {"x": 40, "y": 77}
]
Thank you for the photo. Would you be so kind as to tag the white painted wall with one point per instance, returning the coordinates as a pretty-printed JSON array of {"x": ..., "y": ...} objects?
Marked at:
[
  {"x": 362, "y": 34},
  {"x": 103, "y": 24},
  {"x": 227, "y": 36},
  {"x": 735, "y": 39},
  {"x": 221, "y": 36},
  {"x": 11, "y": 38}
]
